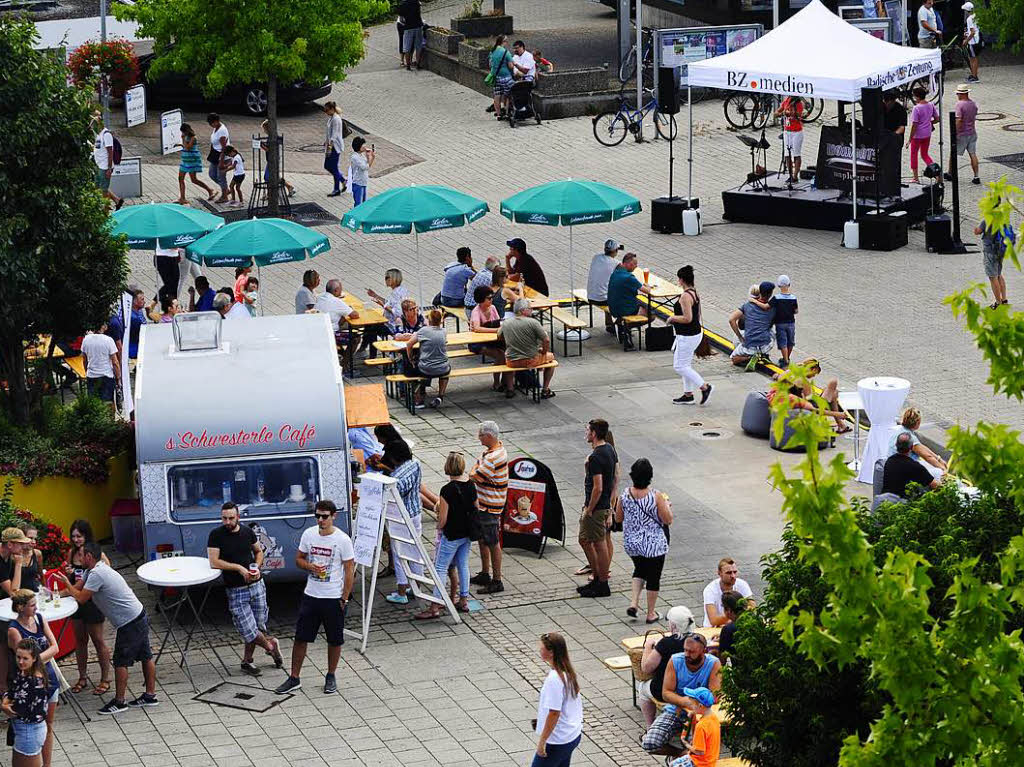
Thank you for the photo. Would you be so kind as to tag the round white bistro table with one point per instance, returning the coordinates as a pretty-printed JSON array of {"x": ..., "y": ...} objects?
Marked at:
[
  {"x": 182, "y": 574},
  {"x": 883, "y": 396}
]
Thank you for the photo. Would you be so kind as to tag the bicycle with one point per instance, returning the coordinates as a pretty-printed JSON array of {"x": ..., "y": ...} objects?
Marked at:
[
  {"x": 752, "y": 110},
  {"x": 610, "y": 128},
  {"x": 627, "y": 69}
]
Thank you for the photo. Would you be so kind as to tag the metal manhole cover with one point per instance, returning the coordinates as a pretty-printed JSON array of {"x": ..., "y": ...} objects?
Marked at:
[
  {"x": 1015, "y": 161},
  {"x": 696, "y": 423},
  {"x": 710, "y": 434},
  {"x": 1014, "y": 127},
  {"x": 241, "y": 696},
  {"x": 985, "y": 116}
]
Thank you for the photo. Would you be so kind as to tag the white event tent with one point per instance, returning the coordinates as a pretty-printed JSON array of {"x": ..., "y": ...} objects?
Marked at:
[{"x": 816, "y": 54}]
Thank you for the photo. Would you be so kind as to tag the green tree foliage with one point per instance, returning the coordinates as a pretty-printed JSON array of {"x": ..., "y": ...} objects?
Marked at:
[
  {"x": 60, "y": 269},
  {"x": 1004, "y": 18},
  {"x": 255, "y": 41},
  {"x": 784, "y": 710}
]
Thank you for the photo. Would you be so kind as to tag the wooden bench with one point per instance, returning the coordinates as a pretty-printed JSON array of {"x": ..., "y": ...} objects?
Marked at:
[
  {"x": 571, "y": 323},
  {"x": 533, "y": 390},
  {"x": 387, "y": 361},
  {"x": 627, "y": 325},
  {"x": 618, "y": 663},
  {"x": 458, "y": 313},
  {"x": 579, "y": 298}
]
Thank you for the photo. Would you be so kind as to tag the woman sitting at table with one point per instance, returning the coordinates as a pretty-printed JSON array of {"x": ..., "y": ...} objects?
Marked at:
[
  {"x": 485, "y": 319},
  {"x": 410, "y": 322},
  {"x": 391, "y": 307},
  {"x": 87, "y": 622},
  {"x": 504, "y": 297},
  {"x": 804, "y": 398},
  {"x": 656, "y": 655},
  {"x": 432, "y": 359},
  {"x": 31, "y": 625},
  {"x": 909, "y": 424},
  {"x": 31, "y": 561}
]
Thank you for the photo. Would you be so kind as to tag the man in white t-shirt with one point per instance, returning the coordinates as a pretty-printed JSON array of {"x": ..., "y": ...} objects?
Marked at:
[
  {"x": 103, "y": 157},
  {"x": 523, "y": 65},
  {"x": 219, "y": 139},
  {"x": 330, "y": 302},
  {"x": 326, "y": 553},
  {"x": 928, "y": 34},
  {"x": 727, "y": 580},
  {"x": 601, "y": 268},
  {"x": 229, "y": 308},
  {"x": 102, "y": 369}
]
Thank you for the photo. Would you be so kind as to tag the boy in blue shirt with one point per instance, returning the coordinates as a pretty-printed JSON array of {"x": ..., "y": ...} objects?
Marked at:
[{"x": 785, "y": 306}]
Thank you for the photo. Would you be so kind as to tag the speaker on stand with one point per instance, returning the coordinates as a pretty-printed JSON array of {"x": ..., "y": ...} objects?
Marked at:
[{"x": 667, "y": 213}]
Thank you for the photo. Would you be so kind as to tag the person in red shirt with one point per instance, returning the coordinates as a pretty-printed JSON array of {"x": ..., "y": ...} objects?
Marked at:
[
  {"x": 792, "y": 113},
  {"x": 241, "y": 278}
]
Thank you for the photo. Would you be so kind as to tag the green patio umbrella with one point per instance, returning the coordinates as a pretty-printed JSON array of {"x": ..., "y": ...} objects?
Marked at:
[
  {"x": 569, "y": 203},
  {"x": 264, "y": 241},
  {"x": 414, "y": 209},
  {"x": 165, "y": 225}
]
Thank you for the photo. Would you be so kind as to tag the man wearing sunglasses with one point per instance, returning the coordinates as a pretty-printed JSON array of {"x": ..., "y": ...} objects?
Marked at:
[{"x": 326, "y": 554}]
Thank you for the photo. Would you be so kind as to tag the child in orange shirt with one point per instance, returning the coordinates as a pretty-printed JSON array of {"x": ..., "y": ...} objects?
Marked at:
[{"x": 707, "y": 736}]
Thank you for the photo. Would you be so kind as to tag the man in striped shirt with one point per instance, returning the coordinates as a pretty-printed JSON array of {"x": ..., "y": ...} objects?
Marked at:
[{"x": 490, "y": 475}]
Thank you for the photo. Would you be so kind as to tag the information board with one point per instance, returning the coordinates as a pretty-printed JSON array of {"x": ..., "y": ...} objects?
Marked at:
[
  {"x": 894, "y": 11},
  {"x": 371, "y": 505},
  {"x": 135, "y": 105},
  {"x": 126, "y": 178},
  {"x": 170, "y": 131},
  {"x": 681, "y": 47}
]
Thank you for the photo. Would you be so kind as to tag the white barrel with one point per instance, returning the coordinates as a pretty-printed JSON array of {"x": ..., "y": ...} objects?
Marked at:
[
  {"x": 691, "y": 222},
  {"x": 851, "y": 235}
]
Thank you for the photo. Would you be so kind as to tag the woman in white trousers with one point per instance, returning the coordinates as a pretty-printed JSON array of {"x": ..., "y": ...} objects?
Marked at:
[{"x": 686, "y": 323}]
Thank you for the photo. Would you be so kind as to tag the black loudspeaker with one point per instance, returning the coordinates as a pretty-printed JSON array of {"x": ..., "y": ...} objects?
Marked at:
[
  {"x": 938, "y": 234},
  {"x": 871, "y": 104},
  {"x": 667, "y": 214},
  {"x": 668, "y": 90},
  {"x": 882, "y": 232}
]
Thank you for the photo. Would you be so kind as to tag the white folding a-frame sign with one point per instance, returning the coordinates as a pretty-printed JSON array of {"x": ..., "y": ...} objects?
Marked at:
[{"x": 380, "y": 503}]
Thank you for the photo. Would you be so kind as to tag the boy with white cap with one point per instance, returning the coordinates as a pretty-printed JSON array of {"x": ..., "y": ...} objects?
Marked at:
[
  {"x": 785, "y": 306},
  {"x": 972, "y": 40}
]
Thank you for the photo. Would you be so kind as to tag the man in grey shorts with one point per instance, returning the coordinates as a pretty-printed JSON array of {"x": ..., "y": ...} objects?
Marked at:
[
  {"x": 115, "y": 599},
  {"x": 993, "y": 245}
]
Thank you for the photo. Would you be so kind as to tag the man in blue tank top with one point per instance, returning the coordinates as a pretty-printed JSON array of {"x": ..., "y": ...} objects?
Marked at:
[{"x": 692, "y": 668}]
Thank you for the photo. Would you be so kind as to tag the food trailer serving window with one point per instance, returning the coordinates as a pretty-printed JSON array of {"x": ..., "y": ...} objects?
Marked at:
[{"x": 266, "y": 487}]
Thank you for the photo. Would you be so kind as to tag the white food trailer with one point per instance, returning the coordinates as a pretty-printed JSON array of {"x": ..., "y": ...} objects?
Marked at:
[{"x": 246, "y": 411}]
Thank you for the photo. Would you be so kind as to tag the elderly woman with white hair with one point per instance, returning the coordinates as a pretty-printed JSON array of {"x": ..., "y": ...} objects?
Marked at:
[
  {"x": 656, "y": 655},
  {"x": 391, "y": 307}
]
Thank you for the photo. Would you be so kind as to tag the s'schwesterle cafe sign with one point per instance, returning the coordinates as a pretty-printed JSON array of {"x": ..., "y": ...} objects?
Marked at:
[{"x": 287, "y": 436}]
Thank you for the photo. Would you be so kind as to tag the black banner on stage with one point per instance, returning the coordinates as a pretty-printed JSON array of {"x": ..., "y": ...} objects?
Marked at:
[
  {"x": 835, "y": 162},
  {"x": 533, "y": 510}
]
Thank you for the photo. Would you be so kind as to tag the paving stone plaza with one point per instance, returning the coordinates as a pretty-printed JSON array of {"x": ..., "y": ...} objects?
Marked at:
[{"x": 440, "y": 693}]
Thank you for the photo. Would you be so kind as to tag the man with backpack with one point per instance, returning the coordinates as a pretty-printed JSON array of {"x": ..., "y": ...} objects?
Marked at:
[
  {"x": 106, "y": 154},
  {"x": 993, "y": 245}
]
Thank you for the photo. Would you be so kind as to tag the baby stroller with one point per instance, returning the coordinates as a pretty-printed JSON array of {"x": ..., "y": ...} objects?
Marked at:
[{"x": 520, "y": 103}]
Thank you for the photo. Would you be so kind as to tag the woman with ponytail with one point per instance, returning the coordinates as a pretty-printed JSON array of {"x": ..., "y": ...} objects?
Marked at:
[
  {"x": 559, "y": 722},
  {"x": 685, "y": 320}
]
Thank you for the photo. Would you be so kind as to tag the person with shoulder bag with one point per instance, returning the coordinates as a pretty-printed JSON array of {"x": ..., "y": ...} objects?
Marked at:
[
  {"x": 646, "y": 515},
  {"x": 500, "y": 76}
]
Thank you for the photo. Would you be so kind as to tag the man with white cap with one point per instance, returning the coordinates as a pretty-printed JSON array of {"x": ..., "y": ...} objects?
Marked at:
[
  {"x": 972, "y": 40},
  {"x": 601, "y": 267},
  {"x": 656, "y": 655}
]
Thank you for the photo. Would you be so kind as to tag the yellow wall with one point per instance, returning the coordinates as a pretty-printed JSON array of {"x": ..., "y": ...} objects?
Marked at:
[{"x": 62, "y": 500}]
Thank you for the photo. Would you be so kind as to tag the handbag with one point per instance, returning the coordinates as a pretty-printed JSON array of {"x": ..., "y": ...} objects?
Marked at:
[
  {"x": 659, "y": 338},
  {"x": 703, "y": 350},
  {"x": 489, "y": 78}
]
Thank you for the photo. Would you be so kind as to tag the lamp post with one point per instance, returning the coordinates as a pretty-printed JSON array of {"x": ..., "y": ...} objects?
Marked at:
[{"x": 639, "y": 55}]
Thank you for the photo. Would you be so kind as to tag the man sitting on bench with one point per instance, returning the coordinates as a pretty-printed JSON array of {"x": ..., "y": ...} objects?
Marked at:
[
  {"x": 623, "y": 289},
  {"x": 526, "y": 346},
  {"x": 692, "y": 668}
]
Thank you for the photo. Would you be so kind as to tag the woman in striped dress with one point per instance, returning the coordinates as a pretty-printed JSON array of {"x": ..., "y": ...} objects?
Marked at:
[
  {"x": 645, "y": 516},
  {"x": 190, "y": 164}
]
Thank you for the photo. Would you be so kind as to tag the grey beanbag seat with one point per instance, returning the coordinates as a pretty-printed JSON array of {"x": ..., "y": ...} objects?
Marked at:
[
  {"x": 756, "y": 419},
  {"x": 881, "y": 498},
  {"x": 787, "y": 433},
  {"x": 876, "y": 478}
]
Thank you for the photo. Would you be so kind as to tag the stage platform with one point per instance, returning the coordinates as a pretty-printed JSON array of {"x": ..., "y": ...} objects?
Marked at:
[{"x": 809, "y": 208}]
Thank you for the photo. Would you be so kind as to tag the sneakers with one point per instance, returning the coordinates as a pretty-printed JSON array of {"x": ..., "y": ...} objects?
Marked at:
[
  {"x": 975, "y": 180},
  {"x": 397, "y": 599},
  {"x": 972, "y": 79},
  {"x": 249, "y": 668},
  {"x": 290, "y": 684},
  {"x": 596, "y": 589},
  {"x": 686, "y": 399},
  {"x": 480, "y": 579},
  {"x": 436, "y": 402},
  {"x": 114, "y": 707},
  {"x": 947, "y": 176},
  {"x": 330, "y": 685},
  {"x": 145, "y": 700},
  {"x": 706, "y": 393},
  {"x": 494, "y": 587}
]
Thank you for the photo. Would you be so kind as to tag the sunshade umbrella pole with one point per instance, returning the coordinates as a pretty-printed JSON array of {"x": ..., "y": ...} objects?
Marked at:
[
  {"x": 419, "y": 267},
  {"x": 572, "y": 334},
  {"x": 260, "y": 278}
]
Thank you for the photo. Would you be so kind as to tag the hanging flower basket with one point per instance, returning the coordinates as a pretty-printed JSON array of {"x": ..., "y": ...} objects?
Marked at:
[{"x": 115, "y": 59}]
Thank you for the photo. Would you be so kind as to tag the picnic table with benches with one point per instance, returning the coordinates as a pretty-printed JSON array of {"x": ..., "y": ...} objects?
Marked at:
[
  {"x": 552, "y": 308},
  {"x": 663, "y": 294}
]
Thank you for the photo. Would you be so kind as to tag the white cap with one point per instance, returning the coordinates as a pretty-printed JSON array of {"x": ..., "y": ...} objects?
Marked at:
[
  {"x": 783, "y": 281},
  {"x": 681, "y": 618},
  {"x": 968, "y": 6}
]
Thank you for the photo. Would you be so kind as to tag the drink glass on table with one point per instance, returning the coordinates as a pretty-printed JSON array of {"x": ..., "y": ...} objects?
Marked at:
[{"x": 647, "y": 276}]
